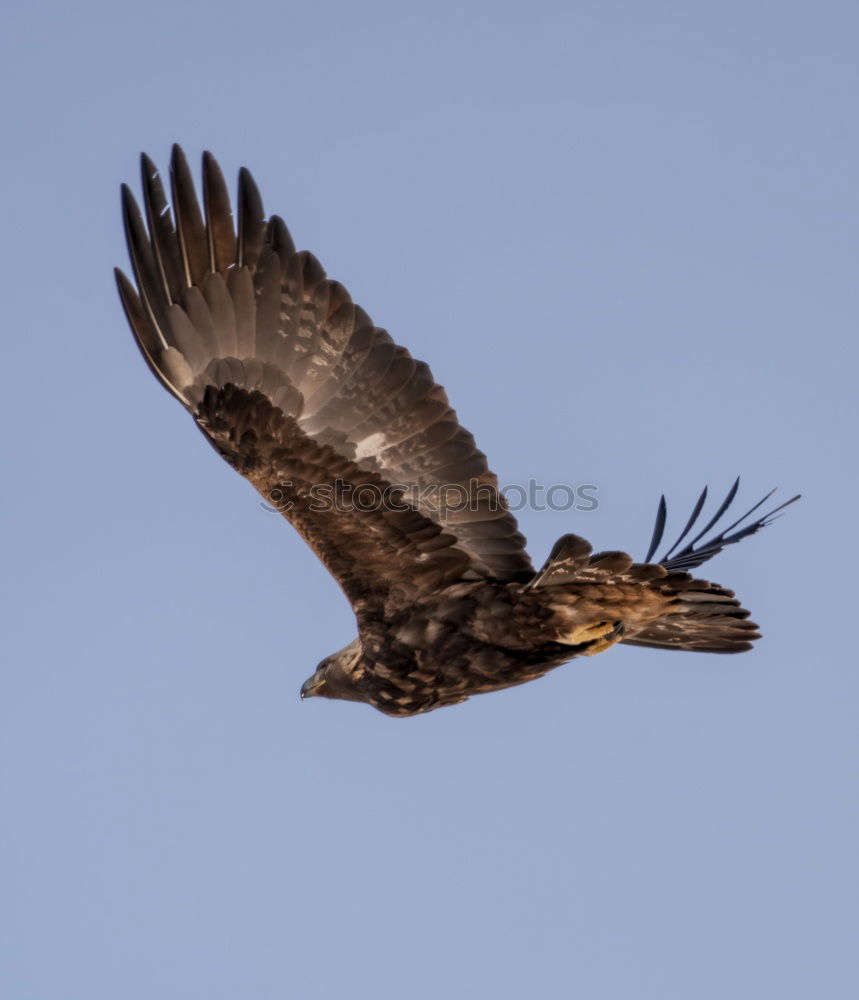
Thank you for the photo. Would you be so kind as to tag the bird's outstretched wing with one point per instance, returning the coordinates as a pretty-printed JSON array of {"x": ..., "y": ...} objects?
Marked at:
[{"x": 347, "y": 434}]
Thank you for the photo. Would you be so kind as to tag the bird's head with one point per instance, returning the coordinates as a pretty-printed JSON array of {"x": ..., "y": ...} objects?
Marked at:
[{"x": 336, "y": 675}]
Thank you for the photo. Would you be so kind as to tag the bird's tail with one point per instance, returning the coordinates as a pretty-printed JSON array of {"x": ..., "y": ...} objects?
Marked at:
[{"x": 702, "y": 617}]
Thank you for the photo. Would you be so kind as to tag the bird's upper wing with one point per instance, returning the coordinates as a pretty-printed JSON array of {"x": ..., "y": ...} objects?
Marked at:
[{"x": 294, "y": 385}]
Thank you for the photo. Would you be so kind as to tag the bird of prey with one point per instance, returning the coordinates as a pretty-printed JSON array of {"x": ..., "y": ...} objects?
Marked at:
[{"x": 354, "y": 442}]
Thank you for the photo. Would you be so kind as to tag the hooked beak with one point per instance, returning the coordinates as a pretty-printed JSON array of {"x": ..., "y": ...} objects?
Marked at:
[{"x": 311, "y": 687}]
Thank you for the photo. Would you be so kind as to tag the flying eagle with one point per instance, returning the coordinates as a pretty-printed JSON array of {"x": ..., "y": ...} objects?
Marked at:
[{"x": 354, "y": 442}]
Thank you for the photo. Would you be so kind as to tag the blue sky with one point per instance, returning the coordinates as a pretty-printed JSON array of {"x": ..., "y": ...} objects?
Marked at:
[{"x": 625, "y": 237}]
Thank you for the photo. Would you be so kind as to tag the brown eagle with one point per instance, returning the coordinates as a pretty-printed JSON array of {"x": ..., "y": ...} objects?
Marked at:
[{"x": 355, "y": 443}]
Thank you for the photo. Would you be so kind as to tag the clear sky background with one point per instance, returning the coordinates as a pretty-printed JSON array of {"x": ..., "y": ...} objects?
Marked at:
[{"x": 625, "y": 236}]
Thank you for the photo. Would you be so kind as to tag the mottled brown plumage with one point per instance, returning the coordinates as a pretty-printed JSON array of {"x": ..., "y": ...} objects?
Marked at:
[{"x": 354, "y": 442}]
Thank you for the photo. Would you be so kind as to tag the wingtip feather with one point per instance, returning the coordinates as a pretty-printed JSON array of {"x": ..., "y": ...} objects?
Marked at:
[{"x": 691, "y": 556}]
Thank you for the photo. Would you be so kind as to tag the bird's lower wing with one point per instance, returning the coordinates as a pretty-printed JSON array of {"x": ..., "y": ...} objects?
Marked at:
[{"x": 382, "y": 551}]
